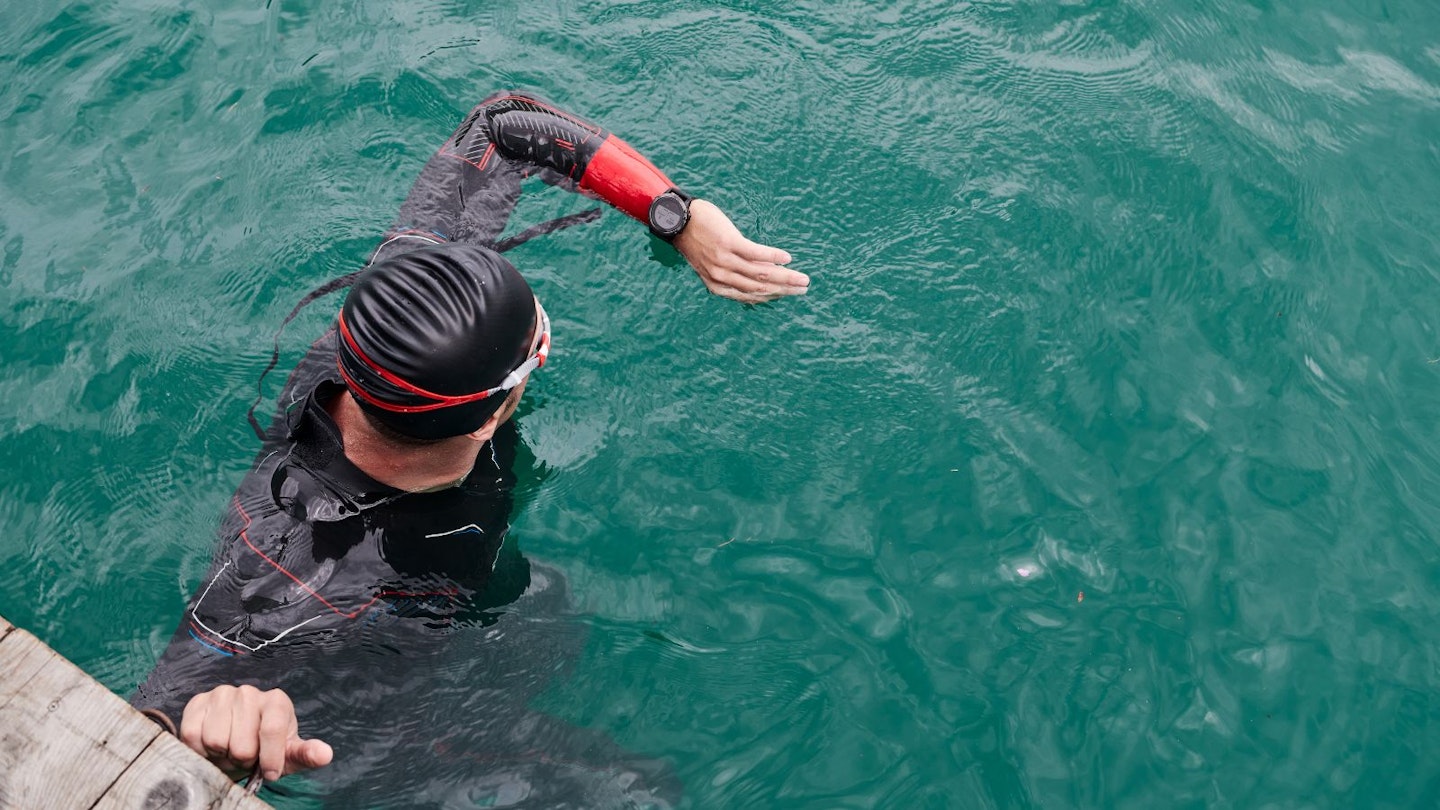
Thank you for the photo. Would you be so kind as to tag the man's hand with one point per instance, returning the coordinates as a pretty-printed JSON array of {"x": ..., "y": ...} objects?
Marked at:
[
  {"x": 234, "y": 726},
  {"x": 731, "y": 265}
]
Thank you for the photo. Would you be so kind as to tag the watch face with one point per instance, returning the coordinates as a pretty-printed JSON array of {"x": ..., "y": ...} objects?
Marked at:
[{"x": 667, "y": 215}]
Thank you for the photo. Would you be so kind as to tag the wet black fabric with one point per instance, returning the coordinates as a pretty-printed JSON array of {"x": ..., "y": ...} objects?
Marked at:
[
  {"x": 315, "y": 554},
  {"x": 409, "y": 633}
]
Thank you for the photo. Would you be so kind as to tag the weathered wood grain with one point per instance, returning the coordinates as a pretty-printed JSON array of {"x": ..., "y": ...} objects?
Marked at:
[
  {"x": 20, "y": 661},
  {"x": 68, "y": 742},
  {"x": 169, "y": 775},
  {"x": 64, "y": 739}
]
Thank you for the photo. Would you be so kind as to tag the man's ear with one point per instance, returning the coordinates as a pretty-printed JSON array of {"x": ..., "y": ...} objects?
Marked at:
[{"x": 483, "y": 433}]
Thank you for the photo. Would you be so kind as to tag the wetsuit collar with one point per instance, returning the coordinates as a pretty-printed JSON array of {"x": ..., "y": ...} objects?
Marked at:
[{"x": 318, "y": 444}]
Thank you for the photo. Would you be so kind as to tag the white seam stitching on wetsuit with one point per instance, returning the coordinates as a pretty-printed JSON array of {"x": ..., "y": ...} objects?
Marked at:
[
  {"x": 455, "y": 531},
  {"x": 196, "y": 616},
  {"x": 392, "y": 239}
]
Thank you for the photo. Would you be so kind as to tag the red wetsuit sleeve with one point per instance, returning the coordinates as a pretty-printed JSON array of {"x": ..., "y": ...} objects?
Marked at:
[
  {"x": 529, "y": 131},
  {"x": 624, "y": 178}
]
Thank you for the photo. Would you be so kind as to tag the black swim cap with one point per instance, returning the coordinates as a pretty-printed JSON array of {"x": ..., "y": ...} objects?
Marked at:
[{"x": 431, "y": 324}]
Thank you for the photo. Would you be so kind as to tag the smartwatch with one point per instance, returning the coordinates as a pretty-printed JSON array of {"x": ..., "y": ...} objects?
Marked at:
[{"x": 669, "y": 214}]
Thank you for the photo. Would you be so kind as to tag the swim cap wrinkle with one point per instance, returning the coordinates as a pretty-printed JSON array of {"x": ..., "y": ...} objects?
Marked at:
[{"x": 453, "y": 320}]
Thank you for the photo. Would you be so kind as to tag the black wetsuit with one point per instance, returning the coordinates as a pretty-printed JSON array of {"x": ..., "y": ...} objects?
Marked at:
[{"x": 375, "y": 609}]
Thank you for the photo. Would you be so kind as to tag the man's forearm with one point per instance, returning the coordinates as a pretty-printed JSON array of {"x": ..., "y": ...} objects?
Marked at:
[{"x": 532, "y": 132}]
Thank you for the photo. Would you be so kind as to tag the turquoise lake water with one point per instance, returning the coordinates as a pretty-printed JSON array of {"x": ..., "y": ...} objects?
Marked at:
[{"x": 1099, "y": 468}]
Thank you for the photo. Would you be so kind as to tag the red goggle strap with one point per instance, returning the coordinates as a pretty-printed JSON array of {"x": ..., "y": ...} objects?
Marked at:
[{"x": 442, "y": 400}]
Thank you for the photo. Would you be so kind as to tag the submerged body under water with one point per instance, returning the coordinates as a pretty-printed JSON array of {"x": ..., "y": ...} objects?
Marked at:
[
  {"x": 452, "y": 727},
  {"x": 411, "y": 637}
]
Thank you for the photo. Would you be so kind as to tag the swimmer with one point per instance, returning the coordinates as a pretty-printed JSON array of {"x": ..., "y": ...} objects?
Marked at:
[{"x": 373, "y": 520}]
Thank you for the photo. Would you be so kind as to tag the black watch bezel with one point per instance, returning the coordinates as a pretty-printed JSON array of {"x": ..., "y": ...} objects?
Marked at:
[{"x": 664, "y": 198}]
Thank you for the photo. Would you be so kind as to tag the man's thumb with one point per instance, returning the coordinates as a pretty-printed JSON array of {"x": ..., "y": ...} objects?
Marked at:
[{"x": 301, "y": 755}]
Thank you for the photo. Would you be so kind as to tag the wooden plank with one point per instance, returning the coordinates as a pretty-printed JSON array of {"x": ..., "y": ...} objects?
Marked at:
[
  {"x": 19, "y": 662},
  {"x": 171, "y": 776},
  {"x": 5, "y": 627},
  {"x": 68, "y": 742},
  {"x": 64, "y": 739}
]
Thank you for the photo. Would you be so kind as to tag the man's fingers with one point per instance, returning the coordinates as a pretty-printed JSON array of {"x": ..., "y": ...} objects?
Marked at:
[
  {"x": 733, "y": 294},
  {"x": 794, "y": 278},
  {"x": 215, "y": 729},
  {"x": 776, "y": 276},
  {"x": 765, "y": 263},
  {"x": 744, "y": 282},
  {"x": 192, "y": 721},
  {"x": 742, "y": 296},
  {"x": 244, "y": 743},
  {"x": 753, "y": 282},
  {"x": 772, "y": 260},
  {"x": 302, "y": 755},
  {"x": 751, "y": 290},
  {"x": 756, "y": 252},
  {"x": 764, "y": 279},
  {"x": 748, "y": 293},
  {"x": 276, "y": 727}
]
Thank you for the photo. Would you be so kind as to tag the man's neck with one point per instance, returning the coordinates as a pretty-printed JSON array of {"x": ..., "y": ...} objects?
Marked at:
[{"x": 411, "y": 468}]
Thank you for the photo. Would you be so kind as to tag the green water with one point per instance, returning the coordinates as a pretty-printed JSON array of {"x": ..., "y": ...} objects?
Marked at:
[{"x": 1129, "y": 300}]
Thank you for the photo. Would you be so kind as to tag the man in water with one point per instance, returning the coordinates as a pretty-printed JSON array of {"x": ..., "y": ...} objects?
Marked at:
[{"x": 371, "y": 526}]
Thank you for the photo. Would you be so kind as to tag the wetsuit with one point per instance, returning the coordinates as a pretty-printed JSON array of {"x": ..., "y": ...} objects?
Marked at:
[{"x": 373, "y": 607}]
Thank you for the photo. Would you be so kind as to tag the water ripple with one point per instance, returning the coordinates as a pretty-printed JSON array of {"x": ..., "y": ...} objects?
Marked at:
[{"x": 1096, "y": 469}]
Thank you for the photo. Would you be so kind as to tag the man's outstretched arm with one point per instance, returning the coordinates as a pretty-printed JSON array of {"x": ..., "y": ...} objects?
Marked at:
[{"x": 470, "y": 186}]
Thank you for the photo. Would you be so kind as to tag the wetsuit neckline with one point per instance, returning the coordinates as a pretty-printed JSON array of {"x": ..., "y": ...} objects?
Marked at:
[{"x": 319, "y": 444}]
